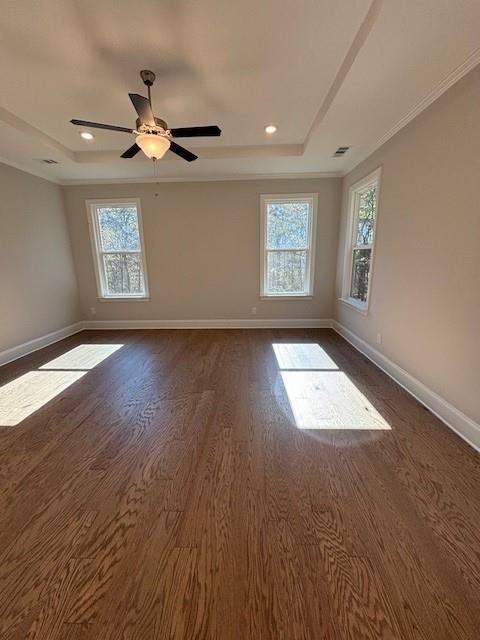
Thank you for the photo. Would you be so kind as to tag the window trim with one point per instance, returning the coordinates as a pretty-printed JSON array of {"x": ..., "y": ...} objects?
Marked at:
[
  {"x": 312, "y": 235},
  {"x": 354, "y": 193},
  {"x": 97, "y": 252}
]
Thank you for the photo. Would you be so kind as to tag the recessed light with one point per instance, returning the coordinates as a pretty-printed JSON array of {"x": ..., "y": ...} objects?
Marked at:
[
  {"x": 86, "y": 135},
  {"x": 270, "y": 128}
]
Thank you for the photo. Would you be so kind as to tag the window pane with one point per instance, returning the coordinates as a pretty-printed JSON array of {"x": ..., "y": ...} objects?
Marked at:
[
  {"x": 366, "y": 216},
  {"x": 360, "y": 272},
  {"x": 286, "y": 271},
  {"x": 123, "y": 274},
  {"x": 287, "y": 225},
  {"x": 119, "y": 228}
]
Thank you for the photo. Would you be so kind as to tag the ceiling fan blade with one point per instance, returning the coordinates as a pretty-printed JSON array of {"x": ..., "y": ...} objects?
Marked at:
[
  {"x": 183, "y": 153},
  {"x": 98, "y": 125},
  {"x": 132, "y": 151},
  {"x": 143, "y": 108},
  {"x": 195, "y": 132}
]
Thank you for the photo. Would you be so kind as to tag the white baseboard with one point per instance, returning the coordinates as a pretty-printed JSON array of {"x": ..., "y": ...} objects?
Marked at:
[
  {"x": 38, "y": 343},
  {"x": 463, "y": 426},
  {"x": 43, "y": 341},
  {"x": 247, "y": 323}
]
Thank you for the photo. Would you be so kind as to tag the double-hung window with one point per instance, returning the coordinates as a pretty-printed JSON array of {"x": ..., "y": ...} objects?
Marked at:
[
  {"x": 363, "y": 208},
  {"x": 287, "y": 248},
  {"x": 117, "y": 242}
]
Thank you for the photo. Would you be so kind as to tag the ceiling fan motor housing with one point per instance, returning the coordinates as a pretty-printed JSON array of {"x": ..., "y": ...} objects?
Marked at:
[{"x": 158, "y": 121}]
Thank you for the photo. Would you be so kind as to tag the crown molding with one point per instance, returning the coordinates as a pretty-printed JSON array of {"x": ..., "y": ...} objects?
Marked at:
[
  {"x": 448, "y": 81},
  {"x": 259, "y": 151},
  {"x": 219, "y": 178}
]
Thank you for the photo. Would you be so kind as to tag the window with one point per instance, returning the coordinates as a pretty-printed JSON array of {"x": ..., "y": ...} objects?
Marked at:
[
  {"x": 287, "y": 245},
  {"x": 117, "y": 242},
  {"x": 363, "y": 199}
]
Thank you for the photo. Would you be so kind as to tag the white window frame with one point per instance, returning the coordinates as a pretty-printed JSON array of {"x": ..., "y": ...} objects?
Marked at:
[
  {"x": 97, "y": 252},
  {"x": 312, "y": 199},
  {"x": 355, "y": 192}
]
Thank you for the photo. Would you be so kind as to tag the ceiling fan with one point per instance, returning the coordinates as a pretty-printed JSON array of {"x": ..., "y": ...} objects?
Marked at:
[{"x": 153, "y": 136}]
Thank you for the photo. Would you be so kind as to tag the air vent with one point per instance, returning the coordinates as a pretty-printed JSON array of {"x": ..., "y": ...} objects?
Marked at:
[
  {"x": 48, "y": 161},
  {"x": 341, "y": 151}
]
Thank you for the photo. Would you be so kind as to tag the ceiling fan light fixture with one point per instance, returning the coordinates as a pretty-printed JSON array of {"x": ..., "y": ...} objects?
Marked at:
[
  {"x": 153, "y": 146},
  {"x": 152, "y": 135}
]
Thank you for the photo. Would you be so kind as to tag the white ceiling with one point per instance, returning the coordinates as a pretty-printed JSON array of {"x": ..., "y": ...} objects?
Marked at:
[{"x": 328, "y": 72}]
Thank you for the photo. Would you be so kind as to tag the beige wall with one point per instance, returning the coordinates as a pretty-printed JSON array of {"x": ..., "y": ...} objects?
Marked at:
[
  {"x": 425, "y": 296},
  {"x": 202, "y": 244},
  {"x": 38, "y": 283}
]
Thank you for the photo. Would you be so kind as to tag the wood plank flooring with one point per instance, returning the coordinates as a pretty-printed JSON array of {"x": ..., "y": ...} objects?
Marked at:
[{"x": 168, "y": 493}]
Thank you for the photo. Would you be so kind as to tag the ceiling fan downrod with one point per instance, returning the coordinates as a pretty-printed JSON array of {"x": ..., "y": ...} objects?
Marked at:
[{"x": 148, "y": 78}]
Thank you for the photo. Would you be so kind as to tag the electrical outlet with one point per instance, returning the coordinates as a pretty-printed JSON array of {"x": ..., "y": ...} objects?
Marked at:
[
  {"x": 254, "y": 311},
  {"x": 379, "y": 338},
  {"x": 93, "y": 311}
]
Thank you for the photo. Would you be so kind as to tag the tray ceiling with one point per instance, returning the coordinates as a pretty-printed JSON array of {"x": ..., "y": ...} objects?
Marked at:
[{"x": 328, "y": 73}]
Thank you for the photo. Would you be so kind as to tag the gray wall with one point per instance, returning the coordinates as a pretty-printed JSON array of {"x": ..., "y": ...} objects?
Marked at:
[
  {"x": 38, "y": 283},
  {"x": 202, "y": 250},
  {"x": 425, "y": 295},
  {"x": 202, "y": 243}
]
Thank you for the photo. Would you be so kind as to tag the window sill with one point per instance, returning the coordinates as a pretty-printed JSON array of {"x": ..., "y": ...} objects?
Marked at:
[
  {"x": 297, "y": 297},
  {"x": 123, "y": 299},
  {"x": 359, "y": 307}
]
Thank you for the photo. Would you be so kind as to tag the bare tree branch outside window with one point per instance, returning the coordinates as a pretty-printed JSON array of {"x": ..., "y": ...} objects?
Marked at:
[
  {"x": 120, "y": 250},
  {"x": 363, "y": 244},
  {"x": 286, "y": 246}
]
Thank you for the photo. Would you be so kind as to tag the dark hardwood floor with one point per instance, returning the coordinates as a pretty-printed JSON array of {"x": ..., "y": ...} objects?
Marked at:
[{"x": 169, "y": 493}]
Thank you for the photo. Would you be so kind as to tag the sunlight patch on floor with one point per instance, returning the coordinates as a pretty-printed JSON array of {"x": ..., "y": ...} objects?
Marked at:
[
  {"x": 28, "y": 393},
  {"x": 302, "y": 356},
  {"x": 320, "y": 395},
  {"x": 329, "y": 400},
  {"x": 82, "y": 358},
  {"x": 25, "y": 395}
]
